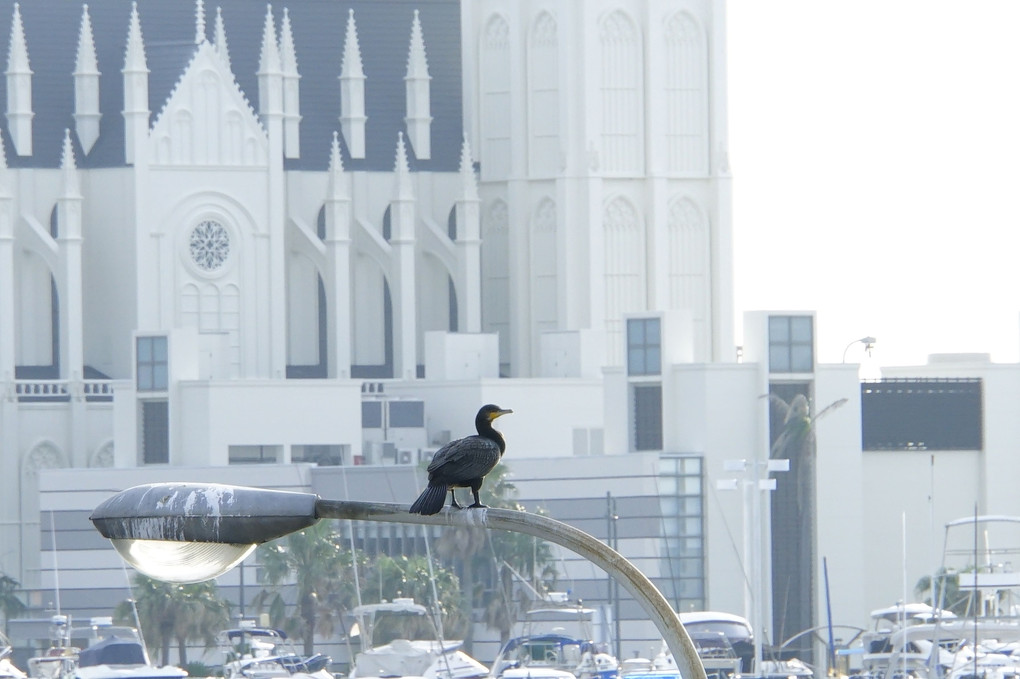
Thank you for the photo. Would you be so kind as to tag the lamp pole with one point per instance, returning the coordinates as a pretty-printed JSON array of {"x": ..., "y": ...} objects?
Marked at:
[
  {"x": 754, "y": 485},
  {"x": 238, "y": 518},
  {"x": 868, "y": 342}
]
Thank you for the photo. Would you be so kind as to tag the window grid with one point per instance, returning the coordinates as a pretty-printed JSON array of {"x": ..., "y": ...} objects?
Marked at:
[
  {"x": 791, "y": 344},
  {"x": 644, "y": 346},
  {"x": 681, "y": 493},
  {"x": 152, "y": 363}
]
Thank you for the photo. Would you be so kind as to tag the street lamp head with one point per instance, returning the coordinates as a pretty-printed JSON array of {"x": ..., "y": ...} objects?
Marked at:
[
  {"x": 868, "y": 342},
  {"x": 191, "y": 532}
]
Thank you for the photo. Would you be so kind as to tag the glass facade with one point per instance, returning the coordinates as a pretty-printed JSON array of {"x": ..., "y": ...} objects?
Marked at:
[{"x": 681, "y": 499}]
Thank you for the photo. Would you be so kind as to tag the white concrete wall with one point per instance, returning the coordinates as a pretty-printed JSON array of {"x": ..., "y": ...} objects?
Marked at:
[
  {"x": 211, "y": 417},
  {"x": 545, "y": 410}
]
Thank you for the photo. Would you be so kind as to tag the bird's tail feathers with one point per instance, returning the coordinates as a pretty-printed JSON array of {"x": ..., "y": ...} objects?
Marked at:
[{"x": 430, "y": 501}]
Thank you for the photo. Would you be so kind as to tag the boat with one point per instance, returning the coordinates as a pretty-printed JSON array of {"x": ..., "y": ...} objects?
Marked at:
[
  {"x": 877, "y": 644},
  {"x": 555, "y": 641},
  {"x": 917, "y": 641},
  {"x": 60, "y": 658},
  {"x": 725, "y": 645},
  {"x": 8, "y": 670},
  {"x": 434, "y": 658},
  {"x": 253, "y": 652},
  {"x": 111, "y": 651},
  {"x": 714, "y": 649}
]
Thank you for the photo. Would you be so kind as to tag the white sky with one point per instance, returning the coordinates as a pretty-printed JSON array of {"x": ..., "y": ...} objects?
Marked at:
[{"x": 875, "y": 151}]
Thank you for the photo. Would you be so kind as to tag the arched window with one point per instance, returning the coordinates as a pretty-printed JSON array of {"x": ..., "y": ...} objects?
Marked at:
[
  {"x": 686, "y": 96},
  {"x": 689, "y": 265},
  {"x": 494, "y": 76},
  {"x": 622, "y": 95},
  {"x": 543, "y": 97},
  {"x": 496, "y": 275},
  {"x": 544, "y": 293},
  {"x": 625, "y": 263}
]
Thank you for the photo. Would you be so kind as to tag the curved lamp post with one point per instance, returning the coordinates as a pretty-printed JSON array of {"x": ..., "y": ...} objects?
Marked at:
[
  {"x": 189, "y": 532},
  {"x": 868, "y": 342}
]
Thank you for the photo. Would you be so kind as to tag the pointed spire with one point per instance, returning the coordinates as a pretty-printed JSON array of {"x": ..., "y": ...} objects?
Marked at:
[
  {"x": 134, "y": 54},
  {"x": 269, "y": 57},
  {"x": 350, "y": 65},
  {"x": 288, "y": 56},
  {"x": 19, "y": 88},
  {"x": 86, "y": 62},
  {"x": 220, "y": 36},
  {"x": 418, "y": 99},
  {"x": 469, "y": 187},
  {"x": 352, "y": 92},
  {"x": 337, "y": 185},
  {"x": 199, "y": 22},
  {"x": 69, "y": 168},
  {"x": 402, "y": 170},
  {"x": 17, "y": 51},
  {"x": 417, "y": 64},
  {"x": 86, "y": 85}
]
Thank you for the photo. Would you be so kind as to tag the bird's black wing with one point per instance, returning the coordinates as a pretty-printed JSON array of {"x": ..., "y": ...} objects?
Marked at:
[{"x": 464, "y": 459}]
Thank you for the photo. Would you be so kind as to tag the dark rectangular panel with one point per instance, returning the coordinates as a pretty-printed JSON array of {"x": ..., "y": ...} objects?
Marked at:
[{"x": 922, "y": 414}]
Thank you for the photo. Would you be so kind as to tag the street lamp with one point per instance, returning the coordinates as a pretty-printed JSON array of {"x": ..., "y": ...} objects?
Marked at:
[
  {"x": 188, "y": 532},
  {"x": 754, "y": 486},
  {"x": 868, "y": 342}
]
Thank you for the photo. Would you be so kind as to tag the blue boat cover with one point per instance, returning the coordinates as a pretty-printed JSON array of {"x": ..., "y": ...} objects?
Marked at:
[{"x": 112, "y": 651}]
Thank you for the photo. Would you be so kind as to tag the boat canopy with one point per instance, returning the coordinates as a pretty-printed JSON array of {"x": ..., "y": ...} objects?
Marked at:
[{"x": 113, "y": 651}]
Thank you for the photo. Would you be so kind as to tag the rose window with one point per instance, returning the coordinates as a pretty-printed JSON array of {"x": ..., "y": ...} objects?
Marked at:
[{"x": 209, "y": 245}]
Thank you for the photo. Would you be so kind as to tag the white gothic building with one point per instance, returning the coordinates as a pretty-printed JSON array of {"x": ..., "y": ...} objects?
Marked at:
[
  {"x": 206, "y": 214},
  {"x": 297, "y": 245}
]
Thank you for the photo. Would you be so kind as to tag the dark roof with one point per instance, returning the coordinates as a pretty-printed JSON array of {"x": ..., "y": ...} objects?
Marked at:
[{"x": 168, "y": 30}]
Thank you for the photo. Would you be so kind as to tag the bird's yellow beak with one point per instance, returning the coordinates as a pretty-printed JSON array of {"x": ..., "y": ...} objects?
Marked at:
[{"x": 499, "y": 413}]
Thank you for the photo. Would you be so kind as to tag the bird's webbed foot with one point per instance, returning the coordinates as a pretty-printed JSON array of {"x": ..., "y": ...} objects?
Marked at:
[
  {"x": 453, "y": 501},
  {"x": 478, "y": 505}
]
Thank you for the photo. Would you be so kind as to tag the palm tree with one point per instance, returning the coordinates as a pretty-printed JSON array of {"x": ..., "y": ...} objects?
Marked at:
[
  {"x": 946, "y": 593},
  {"x": 10, "y": 604},
  {"x": 168, "y": 612},
  {"x": 317, "y": 564},
  {"x": 201, "y": 615},
  {"x": 793, "y": 508},
  {"x": 436, "y": 588},
  {"x": 475, "y": 550},
  {"x": 516, "y": 556}
]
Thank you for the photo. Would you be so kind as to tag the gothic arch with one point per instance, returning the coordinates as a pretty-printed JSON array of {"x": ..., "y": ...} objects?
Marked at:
[
  {"x": 626, "y": 287},
  {"x": 687, "y": 127},
  {"x": 306, "y": 316},
  {"x": 543, "y": 96},
  {"x": 496, "y": 274},
  {"x": 435, "y": 297},
  {"x": 37, "y": 313},
  {"x": 494, "y": 77},
  {"x": 543, "y": 261},
  {"x": 622, "y": 96},
  {"x": 43, "y": 455},
  {"x": 103, "y": 455},
  {"x": 690, "y": 265}
]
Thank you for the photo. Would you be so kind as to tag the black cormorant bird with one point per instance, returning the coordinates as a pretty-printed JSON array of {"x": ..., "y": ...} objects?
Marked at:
[{"x": 463, "y": 463}]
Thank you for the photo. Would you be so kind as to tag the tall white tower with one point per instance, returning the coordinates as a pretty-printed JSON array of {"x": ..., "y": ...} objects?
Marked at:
[{"x": 600, "y": 131}]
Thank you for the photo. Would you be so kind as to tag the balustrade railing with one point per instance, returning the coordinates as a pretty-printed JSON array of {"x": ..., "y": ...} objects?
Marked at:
[{"x": 58, "y": 391}]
